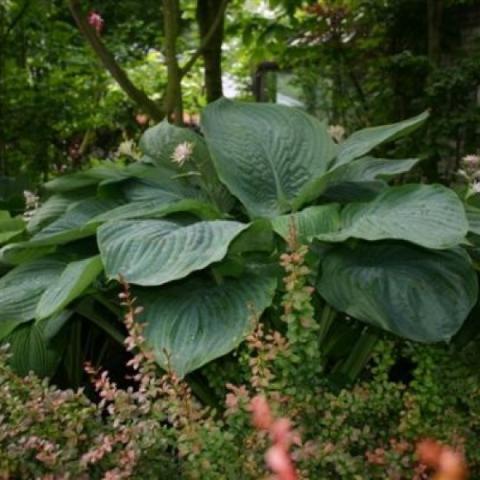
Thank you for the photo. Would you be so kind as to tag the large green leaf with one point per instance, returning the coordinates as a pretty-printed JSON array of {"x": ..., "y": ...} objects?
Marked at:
[
  {"x": 415, "y": 293},
  {"x": 10, "y": 227},
  {"x": 473, "y": 216},
  {"x": 73, "y": 281},
  {"x": 197, "y": 321},
  {"x": 52, "y": 209},
  {"x": 74, "y": 223},
  {"x": 23, "y": 252},
  {"x": 22, "y": 287},
  {"x": 154, "y": 252},
  {"x": 158, "y": 186},
  {"x": 157, "y": 209},
  {"x": 265, "y": 153},
  {"x": 367, "y": 174},
  {"x": 309, "y": 222},
  {"x": 35, "y": 346},
  {"x": 428, "y": 215},
  {"x": 160, "y": 142},
  {"x": 363, "y": 141},
  {"x": 106, "y": 172}
]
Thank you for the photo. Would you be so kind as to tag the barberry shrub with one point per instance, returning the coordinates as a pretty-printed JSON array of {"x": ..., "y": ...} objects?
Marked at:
[{"x": 279, "y": 415}]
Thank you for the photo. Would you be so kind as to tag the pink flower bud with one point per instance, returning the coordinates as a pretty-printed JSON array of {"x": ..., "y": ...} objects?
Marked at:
[
  {"x": 261, "y": 414},
  {"x": 96, "y": 21},
  {"x": 281, "y": 432},
  {"x": 141, "y": 119},
  {"x": 280, "y": 463}
]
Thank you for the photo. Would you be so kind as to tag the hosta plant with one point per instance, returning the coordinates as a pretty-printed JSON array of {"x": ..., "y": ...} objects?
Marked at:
[{"x": 197, "y": 224}]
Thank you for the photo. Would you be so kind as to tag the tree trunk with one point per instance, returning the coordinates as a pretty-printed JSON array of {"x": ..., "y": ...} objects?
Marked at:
[
  {"x": 3, "y": 41},
  {"x": 434, "y": 23},
  {"x": 173, "y": 96},
  {"x": 207, "y": 13}
]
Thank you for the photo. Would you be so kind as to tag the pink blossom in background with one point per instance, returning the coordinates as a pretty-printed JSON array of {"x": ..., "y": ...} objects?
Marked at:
[
  {"x": 278, "y": 457},
  {"x": 96, "y": 21}
]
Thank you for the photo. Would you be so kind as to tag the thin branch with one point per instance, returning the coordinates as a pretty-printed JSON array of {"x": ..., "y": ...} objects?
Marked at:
[
  {"x": 206, "y": 39},
  {"x": 109, "y": 62}
]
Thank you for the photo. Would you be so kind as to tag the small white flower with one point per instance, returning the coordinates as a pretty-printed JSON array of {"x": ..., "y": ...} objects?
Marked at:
[
  {"x": 337, "y": 132},
  {"x": 32, "y": 202},
  {"x": 182, "y": 153},
  {"x": 476, "y": 186},
  {"x": 125, "y": 147}
]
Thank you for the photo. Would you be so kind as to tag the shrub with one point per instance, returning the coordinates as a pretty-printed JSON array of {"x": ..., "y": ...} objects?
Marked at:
[{"x": 158, "y": 429}]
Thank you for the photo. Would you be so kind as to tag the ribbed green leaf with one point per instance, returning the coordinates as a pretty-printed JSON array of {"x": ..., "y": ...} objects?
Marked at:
[
  {"x": 473, "y": 216},
  {"x": 309, "y": 222},
  {"x": 49, "y": 211},
  {"x": 363, "y": 141},
  {"x": 196, "y": 322},
  {"x": 418, "y": 294},
  {"x": 157, "y": 209},
  {"x": 73, "y": 281},
  {"x": 265, "y": 153},
  {"x": 160, "y": 142},
  {"x": 23, "y": 252},
  {"x": 429, "y": 215},
  {"x": 158, "y": 187},
  {"x": 350, "y": 181},
  {"x": 22, "y": 287},
  {"x": 73, "y": 224},
  {"x": 154, "y": 252},
  {"x": 34, "y": 347},
  {"x": 10, "y": 227},
  {"x": 87, "y": 178},
  {"x": 7, "y": 327}
]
